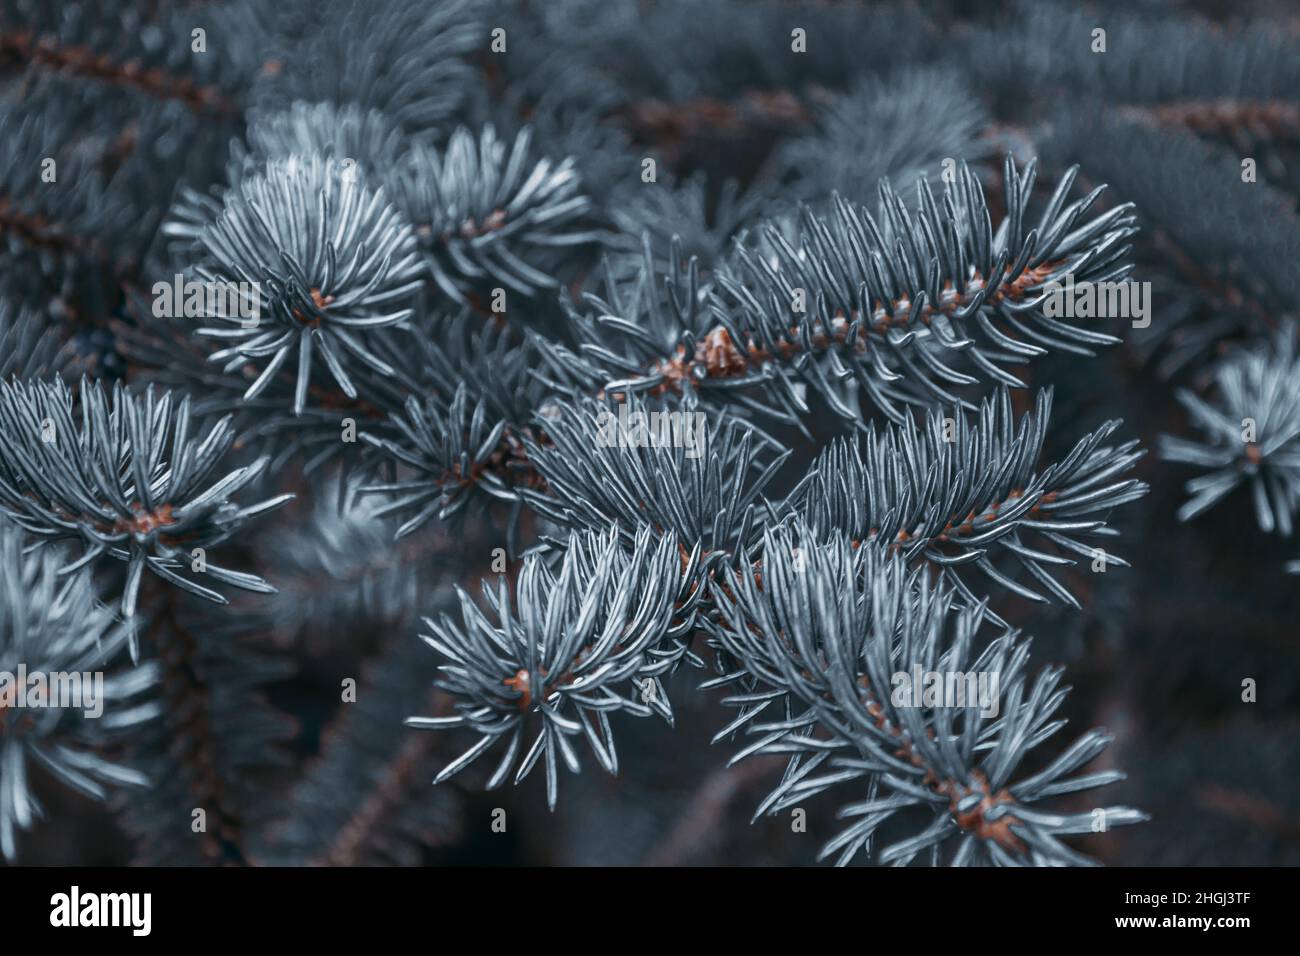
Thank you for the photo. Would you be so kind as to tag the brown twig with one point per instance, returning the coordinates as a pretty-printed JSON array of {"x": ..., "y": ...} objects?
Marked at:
[
  {"x": 1253, "y": 810},
  {"x": 717, "y": 356},
  {"x": 186, "y": 698},
  {"x": 1269, "y": 119},
  {"x": 397, "y": 783},
  {"x": 1216, "y": 288},
  {"x": 35, "y": 229},
  {"x": 673, "y": 127},
  {"x": 26, "y": 47},
  {"x": 708, "y": 808}
]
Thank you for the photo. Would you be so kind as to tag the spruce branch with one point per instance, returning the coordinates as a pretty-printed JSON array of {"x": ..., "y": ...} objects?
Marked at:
[
  {"x": 341, "y": 132},
  {"x": 458, "y": 454},
  {"x": 827, "y": 630},
  {"x": 27, "y": 138},
  {"x": 729, "y": 80},
  {"x": 1222, "y": 253},
  {"x": 333, "y": 261},
  {"x": 339, "y": 573},
  {"x": 662, "y": 464},
  {"x": 896, "y": 128},
  {"x": 572, "y": 647},
  {"x": 130, "y": 481},
  {"x": 1150, "y": 62},
  {"x": 1250, "y": 434},
  {"x": 961, "y": 491},
  {"x": 52, "y": 623},
  {"x": 627, "y": 326},
  {"x": 166, "y": 350},
  {"x": 683, "y": 217},
  {"x": 488, "y": 213},
  {"x": 672, "y": 126},
  {"x": 602, "y": 152},
  {"x": 84, "y": 184},
  {"x": 53, "y": 228},
  {"x": 384, "y": 172},
  {"x": 29, "y": 344},
  {"x": 1267, "y": 130},
  {"x": 889, "y": 302},
  {"x": 892, "y": 300},
  {"x": 463, "y": 441},
  {"x": 404, "y": 58},
  {"x": 111, "y": 42},
  {"x": 360, "y": 142},
  {"x": 1227, "y": 117}
]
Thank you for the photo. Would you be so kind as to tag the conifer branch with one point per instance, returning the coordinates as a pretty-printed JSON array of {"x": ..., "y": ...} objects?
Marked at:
[
  {"x": 771, "y": 428},
  {"x": 54, "y": 226},
  {"x": 340, "y": 132},
  {"x": 574, "y": 646},
  {"x": 1274, "y": 119},
  {"x": 897, "y": 128},
  {"x": 340, "y": 573},
  {"x": 465, "y": 440},
  {"x": 29, "y": 345},
  {"x": 128, "y": 482},
  {"x": 1251, "y": 435},
  {"x": 318, "y": 292},
  {"x": 881, "y": 307},
  {"x": 826, "y": 630},
  {"x": 52, "y": 623},
  {"x": 490, "y": 216},
  {"x": 662, "y": 465},
  {"x": 458, "y": 454},
  {"x": 1222, "y": 253},
  {"x": 420, "y": 81},
  {"x": 32, "y": 37},
  {"x": 959, "y": 492}
]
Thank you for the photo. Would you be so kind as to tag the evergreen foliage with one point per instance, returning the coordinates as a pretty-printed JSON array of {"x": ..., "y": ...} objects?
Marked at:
[{"x": 697, "y": 361}]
